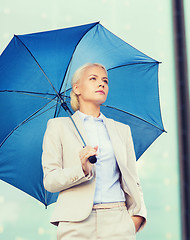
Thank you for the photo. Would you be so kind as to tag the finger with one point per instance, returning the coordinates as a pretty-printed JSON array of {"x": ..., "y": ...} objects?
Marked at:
[
  {"x": 96, "y": 148},
  {"x": 88, "y": 154},
  {"x": 85, "y": 157},
  {"x": 87, "y": 150}
]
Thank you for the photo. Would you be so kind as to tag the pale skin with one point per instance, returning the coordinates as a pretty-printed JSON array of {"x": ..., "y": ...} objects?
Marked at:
[{"x": 92, "y": 90}]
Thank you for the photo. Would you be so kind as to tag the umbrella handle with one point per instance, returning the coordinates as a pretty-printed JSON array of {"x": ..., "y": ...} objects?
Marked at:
[{"x": 92, "y": 159}]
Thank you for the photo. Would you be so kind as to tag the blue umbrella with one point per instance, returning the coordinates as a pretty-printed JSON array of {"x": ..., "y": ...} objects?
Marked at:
[{"x": 35, "y": 85}]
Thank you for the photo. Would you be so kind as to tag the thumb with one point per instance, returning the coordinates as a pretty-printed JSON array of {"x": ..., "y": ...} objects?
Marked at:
[{"x": 96, "y": 148}]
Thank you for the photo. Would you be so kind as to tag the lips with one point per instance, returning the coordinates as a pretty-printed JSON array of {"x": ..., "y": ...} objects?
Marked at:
[{"x": 100, "y": 91}]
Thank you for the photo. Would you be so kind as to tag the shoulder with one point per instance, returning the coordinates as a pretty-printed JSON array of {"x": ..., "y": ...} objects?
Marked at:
[
  {"x": 58, "y": 119},
  {"x": 121, "y": 125},
  {"x": 118, "y": 125},
  {"x": 123, "y": 130},
  {"x": 55, "y": 122}
]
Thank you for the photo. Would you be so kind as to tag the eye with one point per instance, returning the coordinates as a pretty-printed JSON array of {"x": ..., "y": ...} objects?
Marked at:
[
  {"x": 106, "y": 81},
  {"x": 92, "y": 78}
]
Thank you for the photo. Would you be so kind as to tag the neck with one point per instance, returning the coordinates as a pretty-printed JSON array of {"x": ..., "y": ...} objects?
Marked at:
[{"x": 92, "y": 110}]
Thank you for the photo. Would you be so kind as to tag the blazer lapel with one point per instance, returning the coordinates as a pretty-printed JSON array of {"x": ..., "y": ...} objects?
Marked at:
[
  {"x": 121, "y": 155},
  {"x": 117, "y": 143}
]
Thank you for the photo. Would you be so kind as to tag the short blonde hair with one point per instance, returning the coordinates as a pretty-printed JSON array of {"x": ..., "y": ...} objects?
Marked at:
[{"x": 76, "y": 77}]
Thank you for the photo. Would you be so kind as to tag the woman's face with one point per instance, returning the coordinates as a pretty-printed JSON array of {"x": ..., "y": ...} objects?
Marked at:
[{"x": 92, "y": 86}]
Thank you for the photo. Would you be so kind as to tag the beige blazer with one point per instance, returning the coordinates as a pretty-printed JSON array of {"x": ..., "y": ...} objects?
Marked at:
[{"x": 63, "y": 171}]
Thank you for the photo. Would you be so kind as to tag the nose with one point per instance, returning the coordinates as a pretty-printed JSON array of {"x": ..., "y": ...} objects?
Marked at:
[{"x": 101, "y": 84}]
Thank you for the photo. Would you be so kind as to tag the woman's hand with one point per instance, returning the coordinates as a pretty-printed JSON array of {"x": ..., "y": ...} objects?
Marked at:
[
  {"x": 138, "y": 220},
  {"x": 84, "y": 154}
]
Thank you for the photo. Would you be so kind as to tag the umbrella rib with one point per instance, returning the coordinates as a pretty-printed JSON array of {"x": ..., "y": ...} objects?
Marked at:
[
  {"x": 65, "y": 91},
  {"x": 38, "y": 93},
  {"x": 58, "y": 94},
  {"x": 134, "y": 116},
  {"x": 29, "y": 93},
  {"x": 55, "y": 113},
  {"x": 23, "y": 123},
  {"x": 65, "y": 97},
  {"x": 73, "y": 54},
  {"x": 58, "y": 111},
  {"x": 153, "y": 63},
  {"x": 40, "y": 68},
  {"x": 40, "y": 114}
]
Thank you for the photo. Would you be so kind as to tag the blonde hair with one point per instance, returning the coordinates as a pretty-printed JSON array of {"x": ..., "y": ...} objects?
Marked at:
[{"x": 76, "y": 77}]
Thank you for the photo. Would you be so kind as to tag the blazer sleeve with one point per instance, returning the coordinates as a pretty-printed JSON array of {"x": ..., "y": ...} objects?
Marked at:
[
  {"x": 56, "y": 177},
  {"x": 131, "y": 163}
]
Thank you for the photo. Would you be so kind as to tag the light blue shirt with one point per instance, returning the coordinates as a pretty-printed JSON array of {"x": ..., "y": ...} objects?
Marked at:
[{"x": 108, "y": 188}]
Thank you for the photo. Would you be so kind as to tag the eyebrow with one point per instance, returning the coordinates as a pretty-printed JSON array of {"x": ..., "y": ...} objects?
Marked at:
[
  {"x": 93, "y": 75},
  {"x": 97, "y": 76}
]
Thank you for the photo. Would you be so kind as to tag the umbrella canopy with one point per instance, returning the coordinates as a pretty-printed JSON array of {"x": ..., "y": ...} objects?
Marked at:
[{"x": 35, "y": 82}]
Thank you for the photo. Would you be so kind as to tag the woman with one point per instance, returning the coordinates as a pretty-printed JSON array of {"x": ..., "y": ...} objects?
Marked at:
[{"x": 96, "y": 201}]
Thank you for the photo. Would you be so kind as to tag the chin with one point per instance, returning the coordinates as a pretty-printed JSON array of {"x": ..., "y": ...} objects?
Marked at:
[{"x": 100, "y": 102}]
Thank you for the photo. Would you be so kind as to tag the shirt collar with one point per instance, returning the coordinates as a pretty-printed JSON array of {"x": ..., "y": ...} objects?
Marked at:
[{"x": 84, "y": 116}]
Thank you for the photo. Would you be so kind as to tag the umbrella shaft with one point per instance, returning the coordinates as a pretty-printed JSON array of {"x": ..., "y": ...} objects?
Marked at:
[{"x": 65, "y": 107}]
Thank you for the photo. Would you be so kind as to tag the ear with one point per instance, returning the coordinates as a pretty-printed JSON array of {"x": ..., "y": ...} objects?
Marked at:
[{"x": 76, "y": 89}]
